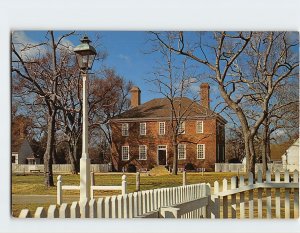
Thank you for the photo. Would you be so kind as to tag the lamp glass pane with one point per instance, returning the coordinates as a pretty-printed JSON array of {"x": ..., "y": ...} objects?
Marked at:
[{"x": 91, "y": 61}]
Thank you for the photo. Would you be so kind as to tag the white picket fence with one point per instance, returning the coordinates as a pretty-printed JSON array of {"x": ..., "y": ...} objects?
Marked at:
[
  {"x": 259, "y": 199},
  {"x": 57, "y": 168}
]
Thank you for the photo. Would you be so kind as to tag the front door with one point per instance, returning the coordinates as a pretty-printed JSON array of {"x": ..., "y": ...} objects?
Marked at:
[{"x": 162, "y": 155}]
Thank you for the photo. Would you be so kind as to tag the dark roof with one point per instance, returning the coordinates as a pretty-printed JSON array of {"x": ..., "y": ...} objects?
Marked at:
[{"x": 160, "y": 108}]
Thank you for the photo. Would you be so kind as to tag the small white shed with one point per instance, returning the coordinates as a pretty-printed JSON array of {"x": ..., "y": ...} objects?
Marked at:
[{"x": 290, "y": 159}]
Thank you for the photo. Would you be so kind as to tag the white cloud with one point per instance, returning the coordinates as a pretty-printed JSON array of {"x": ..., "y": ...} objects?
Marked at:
[
  {"x": 26, "y": 47},
  {"x": 124, "y": 57}
]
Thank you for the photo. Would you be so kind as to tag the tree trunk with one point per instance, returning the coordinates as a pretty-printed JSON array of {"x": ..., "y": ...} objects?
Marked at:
[
  {"x": 73, "y": 159},
  {"x": 264, "y": 148},
  {"x": 175, "y": 156},
  {"x": 48, "y": 173}
]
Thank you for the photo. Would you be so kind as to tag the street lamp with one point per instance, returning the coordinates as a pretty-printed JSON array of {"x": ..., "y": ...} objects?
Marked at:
[{"x": 85, "y": 55}]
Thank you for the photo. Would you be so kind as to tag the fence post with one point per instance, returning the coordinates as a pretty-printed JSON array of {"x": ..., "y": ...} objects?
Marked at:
[
  {"x": 296, "y": 194},
  {"x": 242, "y": 199},
  {"x": 225, "y": 200},
  {"x": 25, "y": 213},
  {"x": 40, "y": 213},
  {"x": 124, "y": 185},
  {"x": 59, "y": 190},
  {"x": 268, "y": 194},
  {"x": 53, "y": 212},
  {"x": 92, "y": 179},
  {"x": 250, "y": 182},
  {"x": 233, "y": 197},
  {"x": 64, "y": 211},
  {"x": 75, "y": 210},
  {"x": 287, "y": 196},
  {"x": 137, "y": 182},
  {"x": 184, "y": 178}
]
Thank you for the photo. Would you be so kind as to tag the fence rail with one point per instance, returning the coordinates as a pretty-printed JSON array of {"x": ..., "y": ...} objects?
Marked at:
[{"x": 57, "y": 168}]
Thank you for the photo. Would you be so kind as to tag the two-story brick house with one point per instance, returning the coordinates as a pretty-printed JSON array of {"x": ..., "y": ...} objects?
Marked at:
[{"x": 142, "y": 135}]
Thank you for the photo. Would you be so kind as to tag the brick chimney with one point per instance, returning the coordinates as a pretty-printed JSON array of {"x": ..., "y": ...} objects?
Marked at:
[
  {"x": 135, "y": 97},
  {"x": 204, "y": 95}
]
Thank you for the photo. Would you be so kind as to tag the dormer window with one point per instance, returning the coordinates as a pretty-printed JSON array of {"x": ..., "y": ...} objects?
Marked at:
[{"x": 125, "y": 129}]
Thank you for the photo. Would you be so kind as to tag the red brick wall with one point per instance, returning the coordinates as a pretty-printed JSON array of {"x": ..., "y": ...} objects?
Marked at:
[{"x": 152, "y": 140}]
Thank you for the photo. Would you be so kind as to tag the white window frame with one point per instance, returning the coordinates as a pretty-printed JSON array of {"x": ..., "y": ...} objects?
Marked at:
[
  {"x": 125, "y": 129},
  {"x": 202, "y": 127},
  {"x": 198, "y": 151},
  {"x": 163, "y": 129},
  {"x": 143, "y": 131},
  {"x": 181, "y": 127},
  {"x": 123, "y": 147},
  {"x": 184, "y": 151},
  {"x": 140, "y": 152}
]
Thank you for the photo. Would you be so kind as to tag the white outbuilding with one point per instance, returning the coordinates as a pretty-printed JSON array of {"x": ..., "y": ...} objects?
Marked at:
[{"x": 290, "y": 159}]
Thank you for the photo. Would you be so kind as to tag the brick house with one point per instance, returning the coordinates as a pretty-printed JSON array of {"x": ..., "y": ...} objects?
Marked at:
[{"x": 141, "y": 136}]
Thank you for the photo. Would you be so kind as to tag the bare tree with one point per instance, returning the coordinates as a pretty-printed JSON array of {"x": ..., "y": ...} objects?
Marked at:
[
  {"x": 242, "y": 63},
  {"x": 39, "y": 78},
  {"x": 174, "y": 79}
]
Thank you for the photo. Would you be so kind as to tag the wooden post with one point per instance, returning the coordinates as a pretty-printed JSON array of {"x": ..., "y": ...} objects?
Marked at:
[
  {"x": 242, "y": 198},
  {"x": 216, "y": 200},
  {"x": 126, "y": 206},
  {"x": 114, "y": 207},
  {"x": 84, "y": 209},
  {"x": 137, "y": 182},
  {"x": 107, "y": 207},
  {"x": 120, "y": 206},
  {"x": 225, "y": 200},
  {"x": 259, "y": 194},
  {"x": 130, "y": 205},
  {"x": 251, "y": 205},
  {"x": 100, "y": 208},
  {"x": 233, "y": 197},
  {"x": 277, "y": 194},
  {"x": 124, "y": 185},
  {"x": 64, "y": 211},
  {"x": 75, "y": 210},
  {"x": 269, "y": 196},
  {"x": 52, "y": 212},
  {"x": 59, "y": 190},
  {"x": 93, "y": 208},
  {"x": 92, "y": 179},
  {"x": 40, "y": 213},
  {"x": 135, "y": 204},
  {"x": 287, "y": 200},
  {"x": 184, "y": 178},
  {"x": 296, "y": 194},
  {"x": 25, "y": 213}
]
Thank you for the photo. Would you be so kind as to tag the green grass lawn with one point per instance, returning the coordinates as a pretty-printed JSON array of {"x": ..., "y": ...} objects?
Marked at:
[{"x": 33, "y": 184}]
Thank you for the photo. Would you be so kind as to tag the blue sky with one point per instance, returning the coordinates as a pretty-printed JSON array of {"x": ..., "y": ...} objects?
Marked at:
[{"x": 128, "y": 53}]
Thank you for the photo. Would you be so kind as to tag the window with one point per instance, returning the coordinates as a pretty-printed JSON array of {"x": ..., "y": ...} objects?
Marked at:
[
  {"x": 161, "y": 128},
  {"x": 142, "y": 152},
  {"x": 125, "y": 128},
  {"x": 181, "y": 128},
  {"x": 199, "y": 127},
  {"x": 142, "y": 128},
  {"x": 181, "y": 151},
  {"x": 200, "y": 151},
  {"x": 125, "y": 152}
]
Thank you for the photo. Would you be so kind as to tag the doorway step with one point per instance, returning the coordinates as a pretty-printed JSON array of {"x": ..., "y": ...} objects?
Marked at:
[{"x": 159, "y": 171}]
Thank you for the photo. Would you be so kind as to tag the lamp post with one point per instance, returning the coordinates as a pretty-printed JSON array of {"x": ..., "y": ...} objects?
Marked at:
[{"x": 85, "y": 55}]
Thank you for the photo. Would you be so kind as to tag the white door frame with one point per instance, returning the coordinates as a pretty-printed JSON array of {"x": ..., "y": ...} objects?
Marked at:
[{"x": 165, "y": 149}]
